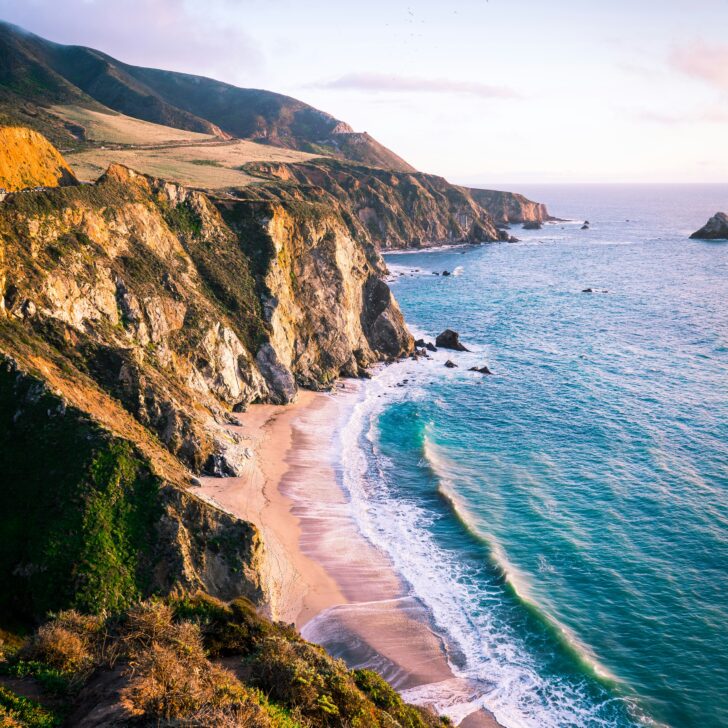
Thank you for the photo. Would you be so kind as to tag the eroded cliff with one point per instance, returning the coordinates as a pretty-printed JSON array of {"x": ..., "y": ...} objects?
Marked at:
[{"x": 140, "y": 315}]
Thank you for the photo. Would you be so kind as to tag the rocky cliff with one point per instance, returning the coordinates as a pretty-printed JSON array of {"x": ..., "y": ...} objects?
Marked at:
[
  {"x": 149, "y": 313},
  {"x": 510, "y": 207},
  {"x": 28, "y": 160},
  {"x": 394, "y": 209}
]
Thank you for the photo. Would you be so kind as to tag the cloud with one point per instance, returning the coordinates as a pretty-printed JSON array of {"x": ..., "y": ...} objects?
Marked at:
[
  {"x": 708, "y": 63},
  {"x": 171, "y": 34},
  {"x": 390, "y": 83}
]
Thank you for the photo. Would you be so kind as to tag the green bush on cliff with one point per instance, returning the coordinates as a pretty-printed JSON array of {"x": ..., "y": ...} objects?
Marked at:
[
  {"x": 77, "y": 519},
  {"x": 16, "y": 711}
]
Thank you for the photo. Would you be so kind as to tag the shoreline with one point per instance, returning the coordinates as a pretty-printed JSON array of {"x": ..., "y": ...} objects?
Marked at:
[{"x": 322, "y": 574}]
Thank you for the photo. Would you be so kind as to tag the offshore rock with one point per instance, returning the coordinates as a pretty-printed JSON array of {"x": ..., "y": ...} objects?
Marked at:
[
  {"x": 450, "y": 339},
  {"x": 715, "y": 229}
]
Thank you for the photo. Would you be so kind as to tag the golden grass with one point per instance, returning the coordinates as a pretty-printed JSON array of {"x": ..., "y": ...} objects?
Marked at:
[
  {"x": 116, "y": 128},
  {"x": 208, "y": 166}
]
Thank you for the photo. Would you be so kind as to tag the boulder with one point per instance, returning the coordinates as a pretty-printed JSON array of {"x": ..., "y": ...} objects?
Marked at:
[
  {"x": 715, "y": 229},
  {"x": 585, "y": 226},
  {"x": 532, "y": 225},
  {"x": 425, "y": 346},
  {"x": 482, "y": 370},
  {"x": 446, "y": 272},
  {"x": 450, "y": 364},
  {"x": 450, "y": 339}
]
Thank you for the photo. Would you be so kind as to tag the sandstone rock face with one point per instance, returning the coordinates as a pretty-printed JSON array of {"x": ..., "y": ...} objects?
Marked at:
[
  {"x": 27, "y": 159},
  {"x": 715, "y": 229},
  {"x": 316, "y": 281}
]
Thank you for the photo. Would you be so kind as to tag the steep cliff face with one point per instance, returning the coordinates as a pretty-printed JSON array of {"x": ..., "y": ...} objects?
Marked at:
[
  {"x": 143, "y": 285},
  {"x": 28, "y": 160},
  {"x": 314, "y": 282},
  {"x": 395, "y": 209},
  {"x": 510, "y": 207}
]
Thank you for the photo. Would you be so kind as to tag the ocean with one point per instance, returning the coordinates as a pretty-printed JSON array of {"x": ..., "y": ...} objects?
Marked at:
[{"x": 565, "y": 520}]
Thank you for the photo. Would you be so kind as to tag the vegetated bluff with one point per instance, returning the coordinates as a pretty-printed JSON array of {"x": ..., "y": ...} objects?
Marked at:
[{"x": 135, "y": 315}]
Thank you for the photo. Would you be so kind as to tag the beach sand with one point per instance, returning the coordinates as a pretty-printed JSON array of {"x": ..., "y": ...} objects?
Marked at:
[{"x": 323, "y": 575}]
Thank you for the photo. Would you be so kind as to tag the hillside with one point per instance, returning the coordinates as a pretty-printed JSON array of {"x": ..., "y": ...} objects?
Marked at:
[
  {"x": 28, "y": 160},
  {"x": 36, "y": 74}
]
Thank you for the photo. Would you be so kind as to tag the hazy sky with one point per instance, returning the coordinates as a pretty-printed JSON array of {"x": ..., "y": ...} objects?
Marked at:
[{"x": 490, "y": 91}]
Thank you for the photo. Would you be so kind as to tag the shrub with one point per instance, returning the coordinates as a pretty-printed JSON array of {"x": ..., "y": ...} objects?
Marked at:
[
  {"x": 23, "y": 712},
  {"x": 67, "y": 643}
]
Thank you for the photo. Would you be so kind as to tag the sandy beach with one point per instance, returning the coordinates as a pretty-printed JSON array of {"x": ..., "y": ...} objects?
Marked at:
[{"x": 322, "y": 574}]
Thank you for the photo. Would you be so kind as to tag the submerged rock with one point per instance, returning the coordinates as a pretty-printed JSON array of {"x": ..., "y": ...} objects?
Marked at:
[
  {"x": 532, "y": 225},
  {"x": 715, "y": 229},
  {"x": 450, "y": 339},
  {"x": 450, "y": 364},
  {"x": 585, "y": 226},
  {"x": 482, "y": 370},
  {"x": 446, "y": 272}
]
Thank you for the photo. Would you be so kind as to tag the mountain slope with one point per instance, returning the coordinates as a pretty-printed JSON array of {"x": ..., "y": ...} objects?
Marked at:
[{"x": 44, "y": 73}]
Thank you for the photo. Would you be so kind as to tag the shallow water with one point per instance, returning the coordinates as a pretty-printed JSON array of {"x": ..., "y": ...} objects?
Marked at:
[{"x": 565, "y": 521}]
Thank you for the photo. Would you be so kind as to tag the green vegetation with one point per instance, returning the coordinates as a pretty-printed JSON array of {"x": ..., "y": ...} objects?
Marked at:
[
  {"x": 24, "y": 713},
  {"x": 79, "y": 509}
]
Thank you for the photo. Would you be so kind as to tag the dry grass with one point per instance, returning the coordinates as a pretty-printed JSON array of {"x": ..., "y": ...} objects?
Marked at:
[
  {"x": 211, "y": 165},
  {"x": 69, "y": 643},
  {"x": 115, "y": 128},
  {"x": 171, "y": 678}
]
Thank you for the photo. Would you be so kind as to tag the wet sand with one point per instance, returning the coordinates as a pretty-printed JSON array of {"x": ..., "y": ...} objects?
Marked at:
[{"x": 323, "y": 575}]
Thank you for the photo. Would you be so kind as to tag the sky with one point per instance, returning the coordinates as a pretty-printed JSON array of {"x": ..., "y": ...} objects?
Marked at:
[{"x": 480, "y": 91}]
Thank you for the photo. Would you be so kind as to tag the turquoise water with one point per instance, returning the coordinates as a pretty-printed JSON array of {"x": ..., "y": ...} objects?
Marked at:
[{"x": 565, "y": 521}]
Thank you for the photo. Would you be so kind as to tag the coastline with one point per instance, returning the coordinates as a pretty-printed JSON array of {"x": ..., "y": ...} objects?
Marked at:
[{"x": 322, "y": 574}]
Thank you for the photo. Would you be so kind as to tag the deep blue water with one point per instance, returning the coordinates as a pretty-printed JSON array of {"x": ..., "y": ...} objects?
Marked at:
[{"x": 566, "y": 520}]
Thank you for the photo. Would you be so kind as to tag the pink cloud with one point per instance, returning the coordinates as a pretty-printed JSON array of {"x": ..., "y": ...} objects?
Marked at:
[
  {"x": 701, "y": 60},
  {"x": 413, "y": 84}
]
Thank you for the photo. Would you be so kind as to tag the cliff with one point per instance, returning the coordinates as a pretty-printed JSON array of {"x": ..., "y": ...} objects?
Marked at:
[
  {"x": 509, "y": 207},
  {"x": 140, "y": 314},
  {"x": 28, "y": 160},
  {"x": 394, "y": 209}
]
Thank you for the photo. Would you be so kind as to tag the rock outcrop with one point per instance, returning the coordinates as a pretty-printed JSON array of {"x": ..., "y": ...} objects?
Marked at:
[
  {"x": 510, "y": 207},
  {"x": 449, "y": 339},
  {"x": 715, "y": 229},
  {"x": 28, "y": 160}
]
